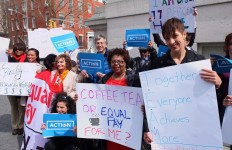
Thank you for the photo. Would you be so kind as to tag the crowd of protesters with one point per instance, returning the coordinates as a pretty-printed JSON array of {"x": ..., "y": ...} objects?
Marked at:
[{"x": 119, "y": 69}]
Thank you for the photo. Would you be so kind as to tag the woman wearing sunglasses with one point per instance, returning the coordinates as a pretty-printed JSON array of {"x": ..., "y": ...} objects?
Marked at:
[{"x": 17, "y": 110}]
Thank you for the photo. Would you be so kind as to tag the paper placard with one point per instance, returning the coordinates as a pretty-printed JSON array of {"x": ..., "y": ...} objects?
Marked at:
[
  {"x": 137, "y": 37},
  {"x": 3, "y": 47}
]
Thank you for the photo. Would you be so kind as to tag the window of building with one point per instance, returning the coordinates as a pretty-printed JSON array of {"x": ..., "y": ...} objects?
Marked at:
[
  {"x": 12, "y": 25},
  {"x": 47, "y": 18},
  {"x": 17, "y": 24},
  {"x": 70, "y": 3},
  {"x": 32, "y": 4},
  {"x": 25, "y": 39},
  {"x": 61, "y": 3},
  {"x": 24, "y": 5},
  {"x": 46, "y": 2},
  {"x": 71, "y": 21},
  {"x": 80, "y": 5},
  {"x": 33, "y": 22},
  {"x": 80, "y": 41},
  {"x": 89, "y": 8},
  {"x": 80, "y": 22},
  {"x": 61, "y": 18},
  {"x": 25, "y": 22},
  {"x": 16, "y": 9}
]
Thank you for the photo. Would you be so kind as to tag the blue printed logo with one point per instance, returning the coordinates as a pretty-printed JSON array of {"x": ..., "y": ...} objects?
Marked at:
[
  {"x": 91, "y": 63},
  {"x": 137, "y": 38},
  {"x": 60, "y": 125},
  {"x": 64, "y": 43}
]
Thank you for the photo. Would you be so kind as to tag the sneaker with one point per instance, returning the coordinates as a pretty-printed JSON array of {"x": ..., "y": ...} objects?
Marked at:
[
  {"x": 14, "y": 131},
  {"x": 20, "y": 131}
]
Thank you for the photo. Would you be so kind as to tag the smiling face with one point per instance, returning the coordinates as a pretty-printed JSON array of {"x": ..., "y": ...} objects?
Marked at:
[
  {"x": 118, "y": 65},
  {"x": 61, "y": 64},
  {"x": 61, "y": 108},
  {"x": 177, "y": 41},
  {"x": 101, "y": 45},
  {"x": 31, "y": 56}
]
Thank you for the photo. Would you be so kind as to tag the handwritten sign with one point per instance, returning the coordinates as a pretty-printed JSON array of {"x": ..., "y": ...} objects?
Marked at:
[
  {"x": 227, "y": 121},
  {"x": 65, "y": 42},
  {"x": 92, "y": 63},
  {"x": 162, "y": 50},
  {"x": 222, "y": 64},
  {"x": 137, "y": 37},
  {"x": 177, "y": 118},
  {"x": 162, "y": 10},
  {"x": 16, "y": 78},
  {"x": 3, "y": 47},
  {"x": 38, "y": 103},
  {"x": 110, "y": 112},
  {"x": 59, "y": 125}
]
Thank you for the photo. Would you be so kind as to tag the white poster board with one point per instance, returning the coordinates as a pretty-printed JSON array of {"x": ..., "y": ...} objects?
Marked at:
[
  {"x": 162, "y": 10},
  {"x": 38, "y": 103},
  {"x": 16, "y": 78},
  {"x": 41, "y": 40},
  {"x": 227, "y": 120},
  {"x": 110, "y": 112},
  {"x": 3, "y": 47},
  {"x": 181, "y": 108}
]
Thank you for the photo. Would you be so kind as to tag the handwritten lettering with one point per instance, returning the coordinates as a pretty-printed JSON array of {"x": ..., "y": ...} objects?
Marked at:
[{"x": 15, "y": 72}]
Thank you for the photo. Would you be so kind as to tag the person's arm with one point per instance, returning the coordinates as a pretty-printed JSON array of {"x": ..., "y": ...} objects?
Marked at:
[
  {"x": 152, "y": 51},
  {"x": 158, "y": 40},
  {"x": 211, "y": 76}
]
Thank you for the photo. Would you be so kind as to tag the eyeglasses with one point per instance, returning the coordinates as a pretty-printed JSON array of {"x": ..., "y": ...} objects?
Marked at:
[
  {"x": 143, "y": 51},
  {"x": 64, "y": 97},
  {"x": 120, "y": 62},
  {"x": 18, "y": 50},
  {"x": 230, "y": 44}
]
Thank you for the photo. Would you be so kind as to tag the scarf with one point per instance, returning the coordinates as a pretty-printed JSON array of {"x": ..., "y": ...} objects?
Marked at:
[
  {"x": 62, "y": 75},
  {"x": 20, "y": 58}
]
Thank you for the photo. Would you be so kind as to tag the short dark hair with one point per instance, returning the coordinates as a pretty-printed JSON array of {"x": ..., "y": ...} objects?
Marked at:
[
  {"x": 170, "y": 26},
  {"x": 63, "y": 97},
  {"x": 36, "y": 52},
  {"x": 120, "y": 52},
  {"x": 49, "y": 61},
  {"x": 20, "y": 46},
  {"x": 67, "y": 59},
  {"x": 227, "y": 43}
]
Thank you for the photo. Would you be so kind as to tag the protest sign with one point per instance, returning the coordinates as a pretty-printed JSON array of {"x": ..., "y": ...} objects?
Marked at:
[
  {"x": 110, "y": 112},
  {"x": 221, "y": 64},
  {"x": 227, "y": 121},
  {"x": 3, "y": 47},
  {"x": 38, "y": 103},
  {"x": 41, "y": 40},
  {"x": 59, "y": 125},
  {"x": 16, "y": 78},
  {"x": 177, "y": 118},
  {"x": 65, "y": 42},
  {"x": 91, "y": 62},
  {"x": 162, "y": 10},
  {"x": 137, "y": 37},
  {"x": 162, "y": 50}
]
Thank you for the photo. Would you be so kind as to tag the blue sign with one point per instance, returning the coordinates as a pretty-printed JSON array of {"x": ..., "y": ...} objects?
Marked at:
[
  {"x": 137, "y": 37},
  {"x": 65, "y": 42},
  {"x": 162, "y": 50},
  {"x": 91, "y": 62},
  {"x": 59, "y": 125},
  {"x": 221, "y": 64}
]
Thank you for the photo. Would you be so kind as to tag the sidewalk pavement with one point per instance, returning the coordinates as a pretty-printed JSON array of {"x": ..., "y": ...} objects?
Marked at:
[{"x": 7, "y": 140}]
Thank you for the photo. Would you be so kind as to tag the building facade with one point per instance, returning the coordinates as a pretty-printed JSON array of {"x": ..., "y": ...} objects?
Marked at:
[
  {"x": 119, "y": 15},
  {"x": 27, "y": 15}
]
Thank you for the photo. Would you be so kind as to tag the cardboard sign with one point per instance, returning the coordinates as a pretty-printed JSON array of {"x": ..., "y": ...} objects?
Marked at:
[
  {"x": 65, "y": 42},
  {"x": 91, "y": 62},
  {"x": 162, "y": 50},
  {"x": 162, "y": 10},
  {"x": 110, "y": 112},
  {"x": 222, "y": 64},
  {"x": 227, "y": 121},
  {"x": 137, "y": 37},
  {"x": 181, "y": 107},
  {"x": 59, "y": 125},
  {"x": 3, "y": 47},
  {"x": 16, "y": 78}
]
